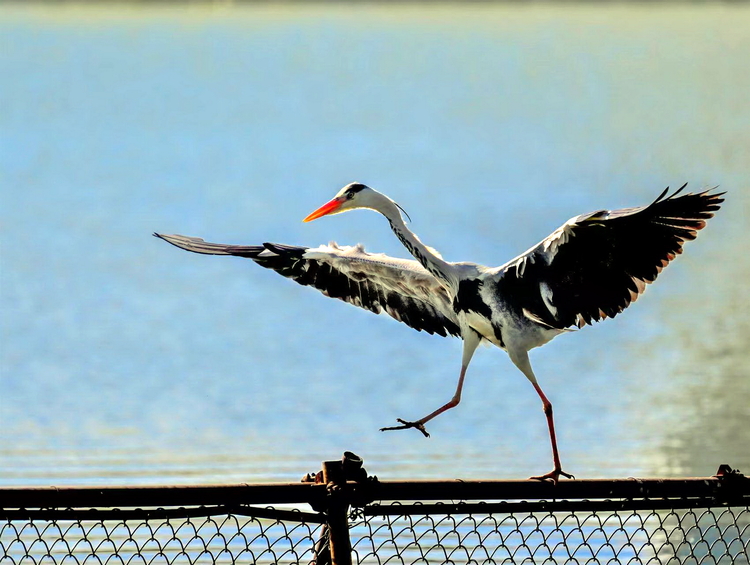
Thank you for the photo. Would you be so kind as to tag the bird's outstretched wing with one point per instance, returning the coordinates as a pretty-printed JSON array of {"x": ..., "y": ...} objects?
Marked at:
[
  {"x": 375, "y": 282},
  {"x": 596, "y": 264}
]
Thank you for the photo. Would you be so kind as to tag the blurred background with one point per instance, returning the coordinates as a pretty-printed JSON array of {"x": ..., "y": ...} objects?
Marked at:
[{"x": 125, "y": 360}]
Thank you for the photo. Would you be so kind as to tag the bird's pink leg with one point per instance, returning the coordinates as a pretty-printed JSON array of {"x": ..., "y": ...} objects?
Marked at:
[
  {"x": 553, "y": 475},
  {"x": 419, "y": 424},
  {"x": 520, "y": 359},
  {"x": 471, "y": 341}
]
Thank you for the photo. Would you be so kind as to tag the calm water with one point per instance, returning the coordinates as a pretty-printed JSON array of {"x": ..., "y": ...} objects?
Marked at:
[{"x": 125, "y": 360}]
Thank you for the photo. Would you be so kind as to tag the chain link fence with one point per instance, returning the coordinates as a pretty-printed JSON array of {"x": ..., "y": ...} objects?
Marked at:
[
  {"x": 716, "y": 536},
  {"x": 358, "y": 519},
  {"x": 212, "y": 539}
]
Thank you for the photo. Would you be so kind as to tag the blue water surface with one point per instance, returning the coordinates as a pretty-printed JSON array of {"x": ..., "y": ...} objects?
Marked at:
[{"x": 125, "y": 360}]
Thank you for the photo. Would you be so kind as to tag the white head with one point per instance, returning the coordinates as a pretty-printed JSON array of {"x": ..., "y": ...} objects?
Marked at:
[{"x": 356, "y": 195}]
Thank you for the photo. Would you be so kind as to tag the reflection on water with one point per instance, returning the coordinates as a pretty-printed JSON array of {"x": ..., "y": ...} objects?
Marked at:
[
  {"x": 125, "y": 360},
  {"x": 704, "y": 409}
]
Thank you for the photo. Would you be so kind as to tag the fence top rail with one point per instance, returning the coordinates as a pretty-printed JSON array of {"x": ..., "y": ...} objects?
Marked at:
[
  {"x": 589, "y": 489},
  {"x": 726, "y": 489},
  {"x": 159, "y": 495}
]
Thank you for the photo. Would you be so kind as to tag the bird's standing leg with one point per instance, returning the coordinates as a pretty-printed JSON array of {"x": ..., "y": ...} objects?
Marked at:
[
  {"x": 522, "y": 362},
  {"x": 471, "y": 341},
  {"x": 554, "y": 475}
]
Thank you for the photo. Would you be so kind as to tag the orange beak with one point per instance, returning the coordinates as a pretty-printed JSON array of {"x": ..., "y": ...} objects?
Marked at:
[{"x": 326, "y": 208}]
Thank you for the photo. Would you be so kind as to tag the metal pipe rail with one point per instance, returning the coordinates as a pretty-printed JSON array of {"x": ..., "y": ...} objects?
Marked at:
[{"x": 725, "y": 488}]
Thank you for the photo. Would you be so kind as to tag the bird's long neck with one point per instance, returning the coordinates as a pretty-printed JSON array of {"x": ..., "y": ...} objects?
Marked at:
[{"x": 428, "y": 259}]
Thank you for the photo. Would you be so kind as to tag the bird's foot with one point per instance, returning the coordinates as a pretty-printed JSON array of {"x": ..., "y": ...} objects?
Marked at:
[
  {"x": 406, "y": 425},
  {"x": 553, "y": 476}
]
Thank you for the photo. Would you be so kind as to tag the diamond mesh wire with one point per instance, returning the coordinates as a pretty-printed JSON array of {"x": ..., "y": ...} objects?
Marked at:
[
  {"x": 693, "y": 531},
  {"x": 696, "y": 536},
  {"x": 217, "y": 539}
]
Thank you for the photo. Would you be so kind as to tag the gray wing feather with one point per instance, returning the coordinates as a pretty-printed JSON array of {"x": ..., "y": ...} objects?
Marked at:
[{"x": 378, "y": 283}]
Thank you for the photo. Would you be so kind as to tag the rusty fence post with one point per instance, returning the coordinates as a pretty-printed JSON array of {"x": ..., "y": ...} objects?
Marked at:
[
  {"x": 340, "y": 546},
  {"x": 347, "y": 484}
]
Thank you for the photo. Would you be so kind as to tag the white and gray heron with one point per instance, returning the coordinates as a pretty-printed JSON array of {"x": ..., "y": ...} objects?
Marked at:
[{"x": 590, "y": 268}]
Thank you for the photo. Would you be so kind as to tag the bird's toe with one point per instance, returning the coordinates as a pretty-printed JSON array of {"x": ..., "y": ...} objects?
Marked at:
[
  {"x": 553, "y": 476},
  {"x": 405, "y": 425}
]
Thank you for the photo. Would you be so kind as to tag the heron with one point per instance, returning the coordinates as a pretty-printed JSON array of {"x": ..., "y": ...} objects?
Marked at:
[{"x": 590, "y": 268}]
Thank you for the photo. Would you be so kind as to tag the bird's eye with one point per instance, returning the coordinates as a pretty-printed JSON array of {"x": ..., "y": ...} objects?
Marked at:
[{"x": 350, "y": 195}]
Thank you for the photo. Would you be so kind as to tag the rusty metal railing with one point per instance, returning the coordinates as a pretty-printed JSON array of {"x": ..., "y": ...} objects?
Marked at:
[{"x": 341, "y": 516}]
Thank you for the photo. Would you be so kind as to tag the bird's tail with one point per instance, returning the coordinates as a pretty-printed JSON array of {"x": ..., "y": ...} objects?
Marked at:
[{"x": 197, "y": 245}]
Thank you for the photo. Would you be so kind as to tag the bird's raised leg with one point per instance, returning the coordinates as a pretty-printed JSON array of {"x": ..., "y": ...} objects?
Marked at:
[
  {"x": 419, "y": 424},
  {"x": 522, "y": 362},
  {"x": 471, "y": 341}
]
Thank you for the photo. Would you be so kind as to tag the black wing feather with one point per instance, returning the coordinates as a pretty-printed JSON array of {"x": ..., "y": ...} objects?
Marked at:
[
  {"x": 597, "y": 264},
  {"x": 353, "y": 287}
]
